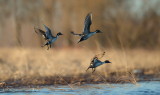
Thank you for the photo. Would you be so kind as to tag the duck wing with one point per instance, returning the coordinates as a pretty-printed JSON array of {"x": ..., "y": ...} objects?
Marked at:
[
  {"x": 99, "y": 56},
  {"x": 48, "y": 32},
  {"x": 93, "y": 59},
  {"x": 40, "y": 32},
  {"x": 87, "y": 23},
  {"x": 76, "y": 34}
]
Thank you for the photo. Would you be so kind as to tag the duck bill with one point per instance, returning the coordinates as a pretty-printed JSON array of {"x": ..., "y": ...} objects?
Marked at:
[
  {"x": 99, "y": 32},
  {"x": 110, "y": 62}
]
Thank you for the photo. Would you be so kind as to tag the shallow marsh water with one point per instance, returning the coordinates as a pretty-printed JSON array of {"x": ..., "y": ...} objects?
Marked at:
[{"x": 141, "y": 88}]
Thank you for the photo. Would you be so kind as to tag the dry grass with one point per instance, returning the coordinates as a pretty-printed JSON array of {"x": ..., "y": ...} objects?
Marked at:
[{"x": 38, "y": 66}]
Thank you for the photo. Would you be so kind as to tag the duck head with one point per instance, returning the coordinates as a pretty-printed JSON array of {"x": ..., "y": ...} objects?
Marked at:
[
  {"x": 107, "y": 61},
  {"x": 98, "y": 31},
  {"x": 59, "y": 34}
]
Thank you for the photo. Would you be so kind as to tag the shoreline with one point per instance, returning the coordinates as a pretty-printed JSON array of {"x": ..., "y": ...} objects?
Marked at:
[{"x": 74, "y": 81}]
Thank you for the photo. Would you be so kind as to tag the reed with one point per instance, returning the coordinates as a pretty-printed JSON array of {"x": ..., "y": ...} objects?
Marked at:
[{"x": 22, "y": 66}]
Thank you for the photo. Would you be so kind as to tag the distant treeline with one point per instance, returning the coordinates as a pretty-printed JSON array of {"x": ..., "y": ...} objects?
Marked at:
[{"x": 121, "y": 27}]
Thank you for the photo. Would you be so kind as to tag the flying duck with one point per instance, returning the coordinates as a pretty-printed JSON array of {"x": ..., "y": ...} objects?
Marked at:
[
  {"x": 49, "y": 38},
  {"x": 86, "y": 32},
  {"x": 96, "y": 62}
]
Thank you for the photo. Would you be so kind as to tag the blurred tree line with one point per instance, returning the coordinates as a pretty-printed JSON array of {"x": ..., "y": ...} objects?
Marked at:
[{"x": 121, "y": 21}]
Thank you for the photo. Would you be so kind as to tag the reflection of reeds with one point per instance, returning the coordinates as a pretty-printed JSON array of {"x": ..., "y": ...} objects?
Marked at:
[{"x": 36, "y": 66}]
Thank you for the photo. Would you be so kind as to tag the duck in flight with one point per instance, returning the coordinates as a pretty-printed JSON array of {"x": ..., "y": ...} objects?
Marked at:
[
  {"x": 49, "y": 38},
  {"x": 96, "y": 62},
  {"x": 86, "y": 32}
]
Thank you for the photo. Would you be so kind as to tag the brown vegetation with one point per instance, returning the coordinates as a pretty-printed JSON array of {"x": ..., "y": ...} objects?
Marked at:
[{"x": 61, "y": 66}]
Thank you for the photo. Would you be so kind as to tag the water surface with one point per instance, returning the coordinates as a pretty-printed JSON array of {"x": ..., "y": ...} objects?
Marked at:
[{"x": 141, "y": 88}]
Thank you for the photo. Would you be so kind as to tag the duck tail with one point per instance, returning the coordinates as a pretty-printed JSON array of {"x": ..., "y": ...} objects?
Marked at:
[
  {"x": 73, "y": 33},
  {"x": 77, "y": 34}
]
